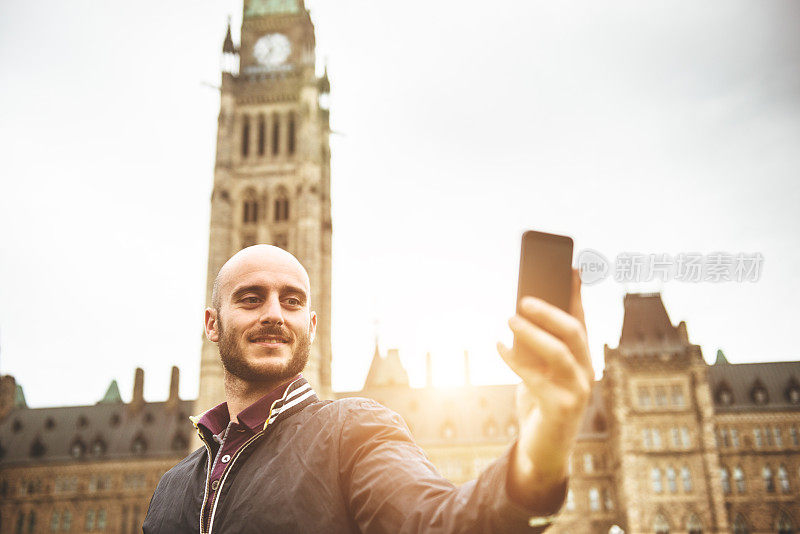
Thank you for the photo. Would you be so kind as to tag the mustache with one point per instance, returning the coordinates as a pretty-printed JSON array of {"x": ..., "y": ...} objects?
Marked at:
[{"x": 271, "y": 330}]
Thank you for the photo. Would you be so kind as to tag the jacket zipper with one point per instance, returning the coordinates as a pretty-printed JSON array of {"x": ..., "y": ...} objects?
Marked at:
[
  {"x": 208, "y": 478},
  {"x": 222, "y": 482}
]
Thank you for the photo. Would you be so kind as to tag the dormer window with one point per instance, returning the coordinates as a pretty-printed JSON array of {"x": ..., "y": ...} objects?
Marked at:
[
  {"x": 77, "y": 448},
  {"x": 448, "y": 430},
  {"x": 759, "y": 394},
  {"x": 98, "y": 447},
  {"x": 724, "y": 395},
  {"x": 794, "y": 396},
  {"x": 139, "y": 445}
]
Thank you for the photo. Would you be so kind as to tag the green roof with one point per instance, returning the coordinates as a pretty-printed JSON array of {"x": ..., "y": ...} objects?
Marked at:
[
  {"x": 112, "y": 395},
  {"x": 19, "y": 398}
]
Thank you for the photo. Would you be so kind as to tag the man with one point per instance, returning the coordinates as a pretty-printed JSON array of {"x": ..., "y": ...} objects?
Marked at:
[{"x": 276, "y": 459}]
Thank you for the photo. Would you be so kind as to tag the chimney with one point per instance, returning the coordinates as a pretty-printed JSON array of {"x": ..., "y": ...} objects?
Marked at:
[
  {"x": 682, "y": 333},
  {"x": 137, "y": 402},
  {"x": 428, "y": 370},
  {"x": 174, "y": 384},
  {"x": 8, "y": 393},
  {"x": 467, "y": 381}
]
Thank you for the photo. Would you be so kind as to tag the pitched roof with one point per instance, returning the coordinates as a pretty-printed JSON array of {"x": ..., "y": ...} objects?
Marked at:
[
  {"x": 646, "y": 327},
  {"x": 740, "y": 381},
  {"x": 386, "y": 371},
  {"x": 102, "y": 431}
]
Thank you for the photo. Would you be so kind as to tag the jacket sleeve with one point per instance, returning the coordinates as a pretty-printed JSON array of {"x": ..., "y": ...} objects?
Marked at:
[{"x": 391, "y": 487}]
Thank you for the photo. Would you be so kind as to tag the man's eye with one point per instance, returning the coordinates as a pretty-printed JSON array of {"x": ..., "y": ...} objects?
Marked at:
[
  {"x": 293, "y": 301},
  {"x": 251, "y": 300}
]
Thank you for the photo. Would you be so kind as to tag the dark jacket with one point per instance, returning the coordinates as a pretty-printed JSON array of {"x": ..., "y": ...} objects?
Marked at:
[{"x": 348, "y": 466}]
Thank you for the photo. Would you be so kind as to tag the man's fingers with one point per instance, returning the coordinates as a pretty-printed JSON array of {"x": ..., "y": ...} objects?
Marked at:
[
  {"x": 540, "y": 349},
  {"x": 567, "y": 329},
  {"x": 575, "y": 300}
]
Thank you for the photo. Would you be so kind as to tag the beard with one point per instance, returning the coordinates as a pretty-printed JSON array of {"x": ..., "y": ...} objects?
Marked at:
[{"x": 235, "y": 362}]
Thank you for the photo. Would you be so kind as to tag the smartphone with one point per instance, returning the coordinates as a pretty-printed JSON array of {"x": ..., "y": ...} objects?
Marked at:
[{"x": 545, "y": 268}]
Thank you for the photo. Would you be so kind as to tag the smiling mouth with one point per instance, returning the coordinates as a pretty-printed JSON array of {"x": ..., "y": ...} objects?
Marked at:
[{"x": 269, "y": 340}]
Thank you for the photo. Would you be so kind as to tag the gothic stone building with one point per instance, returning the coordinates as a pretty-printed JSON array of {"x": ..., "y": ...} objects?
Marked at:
[{"x": 669, "y": 443}]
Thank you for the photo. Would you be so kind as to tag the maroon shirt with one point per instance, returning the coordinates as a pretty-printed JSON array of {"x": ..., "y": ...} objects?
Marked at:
[{"x": 226, "y": 437}]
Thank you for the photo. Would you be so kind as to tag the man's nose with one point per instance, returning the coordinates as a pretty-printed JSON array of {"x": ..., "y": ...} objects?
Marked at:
[{"x": 272, "y": 312}]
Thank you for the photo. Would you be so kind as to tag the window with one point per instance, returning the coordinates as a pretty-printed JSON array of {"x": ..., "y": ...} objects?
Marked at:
[
  {"x": 784, "y": 525},
  {"x": 793, "y": 434},
  {"x": 776, "y": 433},
  {"x": 660, "y": 525},
  {"x": 292, "y": 137},
  {"x": 768, "y": 435},
  {"x": 740, "y": 525},
  {"x": 769, "y": 483},
  {"x": 724, "y": 440},
  {"x": 90, "y": 520},
  {"x": 661, "y": 396},
  {"x": 276, "y": 134},
  {"x": 677, "y": 396},
  {"x": 55, "y": 522},
  {"x": 693, "y": 525},
  {"x": 66, "y": 520},
  {"x": 725, "y": 479},
  {"x": 783, "y": 478},
  {"x": 262, "y": 131},
  {"x": 644, "y": 397},
  {"x": 656, "y": 438},
  {"x": 672, "y": 480},
  {"x": 607, "y": 500},
  {"x": 245, "y": 136},
  {"x": 759, "y": 440},
  {"x": 655, "y": 478},
  {"x": 570, "y": 501},
  {"x": 735, "y": 437},
  {"x": 685, "y": 437},
  {"x": 281, "y": 205},
  {"x": 101, "y": 520},
  {"x": 686, "y": 476},
  {"x": 738, "y": 476},
  {"x": 647, "y": 438},
  {"x": 594, "y": 500},
  {"x": 759, "y": 394},
  {"x": 588, "y": 463},
  {"x": 676, "y": 437}
]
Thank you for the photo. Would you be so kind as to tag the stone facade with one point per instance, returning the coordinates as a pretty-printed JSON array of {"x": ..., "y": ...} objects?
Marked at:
[{"x": 272, "y": 173}]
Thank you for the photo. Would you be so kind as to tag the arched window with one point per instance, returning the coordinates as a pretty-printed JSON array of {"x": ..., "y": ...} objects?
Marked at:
[
  {"x": 139, "y": 445},
  {"x": 740, "y": 525},
  {"x": 656, "y": 438},
  {"x": 245, "y": 136},
  {"x": 291, "y": 134},
  {"x": 276, "y": 134},
  {"x": 672, "y": 483},
  {"x": 31, "y": 522},
  {"x": 738, "y": 476},
  {"x": 784, "y": 525},
  {"x": 724, "y": 395},
  {"x": 77, "y": 448},
  {"x": 89, "y": 520},
  {"x": 98, "y": 447},
  {"x": 693, "y": 525},
  {"x": 55, "y": 521},
  {"x": 594, "y": 499},
  {"x": 66, "y": 521},
  {"x": 588, "y": 463},
  {"x": 769, "y": 482},
  {"x": 250, "y": 207},
  {"x": 759, "y": 393},
  {"x": 725, "y": 479},
  {"x": 783, "y": 479},
  {"x": 262, "y": 135},
  {"x": 570, "y": 506},
  {"x": 281, "y": 212},
  {"x": 686, "y": 476},
  {"x": 660, "y": 525},
  {"x": 655, "y": 478}
]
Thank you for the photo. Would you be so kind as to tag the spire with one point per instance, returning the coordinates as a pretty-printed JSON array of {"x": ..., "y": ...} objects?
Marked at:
[
  {"x": 112, "y": 395},
  {"x": 174, "y": 388},
  {"x": 137, "y": 401},
  {"x": 227, "y": 45},
  {"x": 721, "y": 359},
  {"x": 19, "y": 397},
  {"x": 324, "y": 82}
]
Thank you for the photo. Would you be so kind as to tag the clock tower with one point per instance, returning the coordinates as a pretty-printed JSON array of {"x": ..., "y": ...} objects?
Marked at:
[{"x": 272, "y": 172}]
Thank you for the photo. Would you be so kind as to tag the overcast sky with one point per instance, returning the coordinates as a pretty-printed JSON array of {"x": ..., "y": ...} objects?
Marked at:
[{"x": 652, "y": 127}]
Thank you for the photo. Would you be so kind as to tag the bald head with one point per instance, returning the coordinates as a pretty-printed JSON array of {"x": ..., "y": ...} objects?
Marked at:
[{"x": 257, "y": 258}]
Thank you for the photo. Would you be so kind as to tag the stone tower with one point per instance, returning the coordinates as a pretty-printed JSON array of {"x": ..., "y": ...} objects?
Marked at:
[
  {"x": 272, "y": 172},
  {"x": 662, "y": 437}
]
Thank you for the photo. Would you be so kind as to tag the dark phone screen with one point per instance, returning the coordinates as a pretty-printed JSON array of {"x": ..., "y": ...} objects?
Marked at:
[{"x": 545, "y": 268}]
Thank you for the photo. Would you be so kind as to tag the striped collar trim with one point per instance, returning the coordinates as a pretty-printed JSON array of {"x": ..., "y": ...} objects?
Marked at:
[{"x": 297, "y": 396}]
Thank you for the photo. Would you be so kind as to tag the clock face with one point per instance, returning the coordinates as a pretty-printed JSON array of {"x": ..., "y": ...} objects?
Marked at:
[{"x": 272, "y": 49}]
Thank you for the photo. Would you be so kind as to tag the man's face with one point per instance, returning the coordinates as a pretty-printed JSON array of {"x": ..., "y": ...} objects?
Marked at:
[{"x": 263, "y": 325}]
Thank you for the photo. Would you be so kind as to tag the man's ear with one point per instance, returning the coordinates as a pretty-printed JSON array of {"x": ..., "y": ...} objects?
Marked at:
[
  {"x": 312, "y": 328},
  {"x": 211, "y": 325}
]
